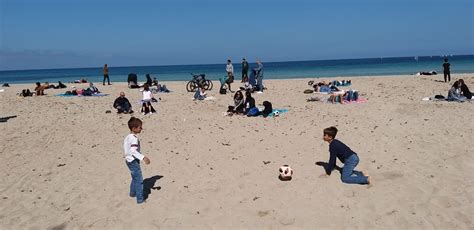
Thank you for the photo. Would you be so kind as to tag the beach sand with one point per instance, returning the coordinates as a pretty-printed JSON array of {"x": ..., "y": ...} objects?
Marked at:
[{"x": 62, "y": 164}]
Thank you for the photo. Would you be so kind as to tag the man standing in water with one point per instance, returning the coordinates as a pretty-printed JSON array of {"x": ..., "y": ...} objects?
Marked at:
[
  {"x": 106, "y": 74},
  {"x": 446, "y": 71}
]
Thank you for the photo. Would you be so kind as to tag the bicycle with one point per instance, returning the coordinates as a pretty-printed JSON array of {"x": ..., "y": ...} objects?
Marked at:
[{"x": 199, "y": 80}]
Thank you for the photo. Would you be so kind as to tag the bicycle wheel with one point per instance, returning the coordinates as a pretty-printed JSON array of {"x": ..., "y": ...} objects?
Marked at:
[
  {"x": 208, "y": 85},
  {"x": 191, "y": 86}
]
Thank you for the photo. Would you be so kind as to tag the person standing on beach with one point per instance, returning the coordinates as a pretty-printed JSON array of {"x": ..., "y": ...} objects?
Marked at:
[
  {"x": 446, "y": 70},
  {"x": 230, "y": 74},
  {"x": 259, "y": 73},
  {"x": 346, "y": 156},
  {"x": 245, "y": 70},
  {"x": 131, "y": 147},
  {"x": 106, "y": 74}
]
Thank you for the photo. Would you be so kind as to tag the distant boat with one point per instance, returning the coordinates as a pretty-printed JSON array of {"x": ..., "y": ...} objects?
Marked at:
[{"x": 416, "y": 58}]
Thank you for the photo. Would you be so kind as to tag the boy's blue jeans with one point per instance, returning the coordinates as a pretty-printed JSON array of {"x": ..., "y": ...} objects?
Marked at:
[
  {"x": 136, "y": 186},
  {"x": 349, "y": 175}
]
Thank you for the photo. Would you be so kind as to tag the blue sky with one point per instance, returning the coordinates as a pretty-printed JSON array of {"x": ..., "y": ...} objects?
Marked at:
[{"x": 86, "y": 33}]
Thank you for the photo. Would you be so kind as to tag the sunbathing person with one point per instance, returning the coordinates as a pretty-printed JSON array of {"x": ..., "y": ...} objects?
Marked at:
[
  {"x": 465, "y": 90},
  {"x": 122, "y": 104}
]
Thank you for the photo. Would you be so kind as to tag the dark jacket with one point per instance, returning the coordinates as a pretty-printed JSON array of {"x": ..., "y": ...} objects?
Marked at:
[{"x": 121, "y": 101}]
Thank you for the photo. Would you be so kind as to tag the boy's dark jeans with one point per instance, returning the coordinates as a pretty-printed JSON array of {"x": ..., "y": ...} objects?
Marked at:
[
  {"x": 136, "y": 186},
  {"x": 349, "y": 175}
]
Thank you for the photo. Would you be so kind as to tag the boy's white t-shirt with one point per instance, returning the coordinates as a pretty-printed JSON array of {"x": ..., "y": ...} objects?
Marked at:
[
  {"x": 147, "y": 95},
  {"x": 131, "y": 147}
]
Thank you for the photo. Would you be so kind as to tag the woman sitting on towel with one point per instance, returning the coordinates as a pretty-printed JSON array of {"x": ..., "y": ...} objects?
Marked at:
[
  {"x": 454, "y": 94},
  {"x": 238, "y": 104},
  {"x": 147, "y": 99}
]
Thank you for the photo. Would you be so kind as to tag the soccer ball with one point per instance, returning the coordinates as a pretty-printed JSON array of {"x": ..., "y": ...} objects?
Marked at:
[
  {"x": 276, "y": 113},
  {"x": 285, "y": 172}
]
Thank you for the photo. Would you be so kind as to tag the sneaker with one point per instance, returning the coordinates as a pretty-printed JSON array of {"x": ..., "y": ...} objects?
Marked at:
[
  {"x": 143, "y": 113},
  {"x": 259, "y": 92}
]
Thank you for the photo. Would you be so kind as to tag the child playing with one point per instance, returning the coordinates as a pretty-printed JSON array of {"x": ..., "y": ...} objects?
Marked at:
[
  {"x": 131, "y": 147},
  {"x": 346, "y": 156}
]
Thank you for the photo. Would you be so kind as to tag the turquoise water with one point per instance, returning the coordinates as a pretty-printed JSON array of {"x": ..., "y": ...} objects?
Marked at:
[{"x": 273, "y": 70}]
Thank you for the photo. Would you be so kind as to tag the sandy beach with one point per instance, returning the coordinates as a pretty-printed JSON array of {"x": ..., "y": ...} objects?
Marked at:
[{"x": 63, "y": 168}]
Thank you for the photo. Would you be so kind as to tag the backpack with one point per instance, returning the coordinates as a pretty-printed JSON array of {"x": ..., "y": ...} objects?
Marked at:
[
  {"x": 253, "y": 112},
  {"x": 222, "y": 91}
]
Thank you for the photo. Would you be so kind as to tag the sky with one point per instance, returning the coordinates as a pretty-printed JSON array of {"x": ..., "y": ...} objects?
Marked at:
[{"x": 42, "y": 34}]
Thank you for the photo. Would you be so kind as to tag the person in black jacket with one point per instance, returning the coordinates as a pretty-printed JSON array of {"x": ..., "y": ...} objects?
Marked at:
[
  {"x": 465, "y": 90},
  {"x": 249, "y": 102},
  {"x": 346, "y": 156},
  {"x": 122, "y": 104}
]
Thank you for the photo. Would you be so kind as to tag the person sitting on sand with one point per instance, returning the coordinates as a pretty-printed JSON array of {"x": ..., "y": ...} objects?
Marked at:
[
  {"x": 339, "y": 150},
  {"x": 122, "y": 104},
  {"x": 149, "y": 82},
  {"x": 39, "y": 89},
  {"x": 465, "y": 90},
  {"x": 147, "y": 99},
  {"x": 60, "y": 85},
  {"x": 454, "y": 94},
  {"x": 249, "y": 102},
  {"x": 92, "y": 88},
  {"x": 238, "y": 106},
  {"x": 154, "y": 82},
  {"x": 200, "y": 94},
  {"x": 132, "y": 81}
]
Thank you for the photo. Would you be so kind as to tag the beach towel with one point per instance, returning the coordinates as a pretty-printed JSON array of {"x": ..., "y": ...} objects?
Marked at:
[
  {"x": 358, "y": 101},
  {"x": 72, "y": 95}
]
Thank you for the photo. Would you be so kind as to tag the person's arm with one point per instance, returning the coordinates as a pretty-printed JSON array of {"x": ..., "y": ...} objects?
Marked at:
[
  {"x": 135, "y": 153},
  {"x": 331, "y": 163},
  {"x": 116, "y": 104},
  {"x": 128, "y": 102}
]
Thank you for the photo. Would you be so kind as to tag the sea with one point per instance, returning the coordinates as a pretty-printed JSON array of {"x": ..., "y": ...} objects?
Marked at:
[{"x": 382, "y": 66}]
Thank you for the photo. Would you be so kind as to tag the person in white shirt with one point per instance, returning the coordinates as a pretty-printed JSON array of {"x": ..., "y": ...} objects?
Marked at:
[
  {"x": 132, "y": 155},
  {"x": 146, "y": 101}
]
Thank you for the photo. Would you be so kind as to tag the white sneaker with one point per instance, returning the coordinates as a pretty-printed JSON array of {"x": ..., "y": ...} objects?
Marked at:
[
  {"x": 143, "y": 113},
  {"x": 259, "y": 92}
]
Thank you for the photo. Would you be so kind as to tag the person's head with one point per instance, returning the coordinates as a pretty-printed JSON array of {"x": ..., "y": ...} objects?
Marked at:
[
  {"x": 248, "y": 94},
  {"x": 243, "y": 59},
  {"x": 135, "y": 125},
  {"x": 105, "y": 65},
  {"x": 229, "y": 61},
  {"x": 461, "y": 82},
  {"x": 146, "y": 87},
  {"x": 91, "y": 84},
  {"x": 258, "y": 61},
  {"x": 456, "y": 84},
  {"x": 445, "y": 60},
  {"x": 38, "y": 83},
  {"x": 122, "y": 94},
  {"x": 329, "y": 133},
  {"x": 238, "y": 95}
]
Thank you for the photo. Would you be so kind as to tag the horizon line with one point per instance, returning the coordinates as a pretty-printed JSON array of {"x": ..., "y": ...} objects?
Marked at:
[{"x": 125, "y": 66}]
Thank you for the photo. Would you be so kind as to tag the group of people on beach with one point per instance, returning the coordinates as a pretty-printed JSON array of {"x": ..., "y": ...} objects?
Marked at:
[{"x": 254, "y": 82}]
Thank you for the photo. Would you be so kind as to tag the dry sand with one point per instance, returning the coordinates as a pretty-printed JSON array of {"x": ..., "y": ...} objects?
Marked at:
[{"x": 62, "y": 165}]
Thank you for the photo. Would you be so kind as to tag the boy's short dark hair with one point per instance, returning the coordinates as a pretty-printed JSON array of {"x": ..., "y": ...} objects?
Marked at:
[
  {"x": 134, "y": 123},
  {"x": 331, "y": 131}
]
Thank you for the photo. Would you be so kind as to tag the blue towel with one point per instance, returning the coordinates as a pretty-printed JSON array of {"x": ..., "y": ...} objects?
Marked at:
[{"x": 281, "y": 111}]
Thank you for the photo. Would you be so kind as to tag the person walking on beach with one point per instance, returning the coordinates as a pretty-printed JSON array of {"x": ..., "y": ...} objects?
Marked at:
[
  {"x": 259, "y": 72},
  {"x": 446, "y": 71},
  {"x": 131, "y": 147},
  {"x": 106, "y": 74},
  {"x": 346, "y": 156},
  {"x": 245, "y": 70}
]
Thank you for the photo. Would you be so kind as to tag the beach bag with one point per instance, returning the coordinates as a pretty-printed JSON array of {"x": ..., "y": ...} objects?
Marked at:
[{"x": 253, "y": 112}]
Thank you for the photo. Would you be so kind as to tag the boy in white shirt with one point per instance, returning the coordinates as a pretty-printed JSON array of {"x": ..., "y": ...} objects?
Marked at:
[{"x": 131, "y": 147}]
